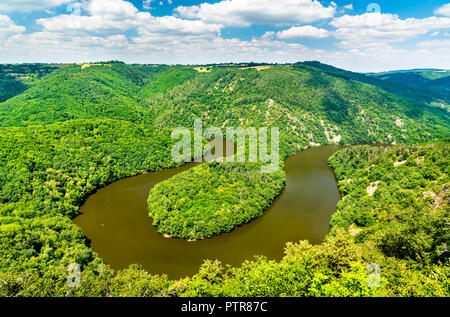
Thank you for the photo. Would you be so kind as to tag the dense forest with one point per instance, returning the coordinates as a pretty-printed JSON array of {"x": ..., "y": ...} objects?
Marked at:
[
  {"x": 409, "y": 243},
  {"x": 72, "y": 129},
  {"x": 212, "y": 198},
  {"x": 433, "y": 80}
]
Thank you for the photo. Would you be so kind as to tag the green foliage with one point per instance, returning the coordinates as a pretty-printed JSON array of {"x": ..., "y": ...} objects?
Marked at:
[
  {"x": 88, "y": 91},
  {"x": 308, "y": 104},
  {"x": 168, "y": 80},
  {"x": 9, "y": 87},
  {"x": 15, "y": 79},
  {"x": 414, "y": 85},
  {"x": 436, "y": 81},
  {"x": 105, "y": 121},
  {"x": 407, "y": 217},
  {"x": 46, "y": 172},
  {"x": 212, "y": 198}
]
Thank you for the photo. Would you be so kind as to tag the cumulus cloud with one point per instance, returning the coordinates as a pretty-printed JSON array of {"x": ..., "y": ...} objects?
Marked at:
[
  {"x": 30, "y": 5},
  {"x": 102, "y": 24},
  {"x": 374, "y": 28},
  {"x": 444, "y": 10},
  {"x": 119, "y": 15},
  {"x": 221, "y": 50},
  {"x": 349, "y": 7},
  {"x": 248, "y": 12},
  {"x": 434, "y": 43},
  {"x": 62, "y": 44},
  {"x": 103, "y": 15},
  {"x": 300, "y": 32},
  {"x": 100, "y": 30},
  {"x": 8, "y": 27},
  {"x": 111, "y": 8}
]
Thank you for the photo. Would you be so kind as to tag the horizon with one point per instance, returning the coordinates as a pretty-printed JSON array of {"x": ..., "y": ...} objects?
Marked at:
[
  {"x": 227, "y": 64},
  {"x": 360, "y": 36}
]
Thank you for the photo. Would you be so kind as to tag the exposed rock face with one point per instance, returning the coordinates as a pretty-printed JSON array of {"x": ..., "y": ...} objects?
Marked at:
[
  {"x": 372, "y": 188},
  {"x": 398, "y": 163}
]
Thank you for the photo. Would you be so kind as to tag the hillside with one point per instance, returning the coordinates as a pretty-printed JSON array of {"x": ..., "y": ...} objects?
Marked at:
[
  {"x": 409, "y": 245},
  {"x": 88, "y": 91},
  {"x": 81, "y": 127},
  {"x": 15, "y": 79},
  {"x": 332, "y": 106},
  {"x": 309, "y": 105},
  {"x": 437, "y": 81}
]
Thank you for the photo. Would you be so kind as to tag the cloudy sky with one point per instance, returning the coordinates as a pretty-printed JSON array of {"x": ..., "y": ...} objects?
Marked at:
[{"x": 354, "y": 35}]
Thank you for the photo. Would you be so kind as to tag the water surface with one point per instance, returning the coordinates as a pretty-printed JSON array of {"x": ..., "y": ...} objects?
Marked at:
[{"x": 115, "y": 219}]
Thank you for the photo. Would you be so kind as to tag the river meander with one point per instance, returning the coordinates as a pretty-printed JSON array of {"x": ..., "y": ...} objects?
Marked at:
[{"x": 115, "y": 220}]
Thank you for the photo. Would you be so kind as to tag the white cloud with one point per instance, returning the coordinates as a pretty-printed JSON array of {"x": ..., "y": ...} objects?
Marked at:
[
  {"x": 248, "y": 12},
  {"x": 434, "y": 43},
  {"x": 188, "y": 49},
  {"x": 300, "y": 32},
  {"x": 119, "y": 15},
  {"x": 220, "y": 50},
  {"x": 102, "y": 25},
  {"x": 30, "y": 5},
  {"x": 173, "y": 25},
  {"x": 104, "y": 15},
  {"x": 444, "y": 10},
  {"x": 342, "y": 10},
  {"x": 60, "y": 42},
  {"x": 96, "y": 31},
  {"x": 192, "y": 49},
  {"x": 68, "y": 23},
  {"x": 371, "y": 29},
  {"x": 8, "y": 27},
  {"x": 118, "y": 9}
]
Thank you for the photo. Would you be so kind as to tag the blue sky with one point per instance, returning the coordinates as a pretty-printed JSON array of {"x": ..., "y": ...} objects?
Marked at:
[{"x": 401, "y": 35}]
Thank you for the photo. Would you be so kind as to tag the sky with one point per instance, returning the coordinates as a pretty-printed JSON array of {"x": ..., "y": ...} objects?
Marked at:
[{"x": 355, "y": 35}]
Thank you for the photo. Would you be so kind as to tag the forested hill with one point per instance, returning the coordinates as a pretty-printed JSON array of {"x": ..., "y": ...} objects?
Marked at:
[
  {"x": 90, "y": 91},
  {"x": 309, "y": 105},
  {"x": 328, "y": 103},
  {"x": 75, "y": 128},
  {"x": 399, "y": 83},
  {"x": 433, "y": 80},
  {"x": 15, "y": 79}
]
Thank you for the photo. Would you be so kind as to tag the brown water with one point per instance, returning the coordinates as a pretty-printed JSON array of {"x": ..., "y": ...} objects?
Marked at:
[{"x": 115, "y": 219}]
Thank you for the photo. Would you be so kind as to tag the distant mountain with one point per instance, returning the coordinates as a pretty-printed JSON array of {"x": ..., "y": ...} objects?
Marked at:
[
  {"x": 87, "y": 91},
  {"x": 436, "y": 98},
  {"x": 436, "y": 80},
  {"x": 15, "y": 79},
  {"x": 312, "y": 103},
  {"x": 414, "y": 70}
]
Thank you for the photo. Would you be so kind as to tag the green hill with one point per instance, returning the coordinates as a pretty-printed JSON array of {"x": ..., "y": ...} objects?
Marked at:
[
  {"x": 88, "y": 91},
  {"x": 15, "y": 79},
  {"x": 437, "y": 81},
  {"x": 309, "y": 105},
  {"x": 77, "y": 128}
]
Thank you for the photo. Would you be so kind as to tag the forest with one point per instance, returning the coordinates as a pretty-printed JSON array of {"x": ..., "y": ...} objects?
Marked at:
[
  {"x": 72, "y": 129},
  {"x": 212, "y": 198}
]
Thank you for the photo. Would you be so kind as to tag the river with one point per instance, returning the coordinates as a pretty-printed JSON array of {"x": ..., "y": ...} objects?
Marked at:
[{"x": 116, "y": 222}]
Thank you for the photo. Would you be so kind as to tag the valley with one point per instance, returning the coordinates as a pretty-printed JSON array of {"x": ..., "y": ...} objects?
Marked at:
[{"x": 83, "y": 146}]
